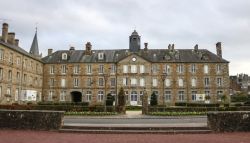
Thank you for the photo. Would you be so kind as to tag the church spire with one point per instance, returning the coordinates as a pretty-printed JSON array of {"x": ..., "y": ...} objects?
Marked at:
[{"x": 34, "y": 47}]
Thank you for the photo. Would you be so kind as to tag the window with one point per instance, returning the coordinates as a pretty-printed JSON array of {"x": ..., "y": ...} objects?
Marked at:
[
  {"x": 219, "y": 82},
  {"x": 18, "y": 61},
  {"x": 24, "y": 77},
  {"x": 11, "y": 58},
  {"x": 52, "y": 82},
  {"x": 62, "y": 95},
  {"x": 100, "y": 56},
  {"x": 155, "y": 82},
  {"x": 113, "y": 93},
  {"x": 112, "y": 82},
  {"x": 142, "y": 82},
  {"x": 193, "y": 82},
  {"x": 1, "y": 54},
  {"x": 89, "y": 69},
  {"x": 113, "y": 69},
  {"x": 126, "y": 94},
  {"x": 180, "y": 82},
  {"x": 168, "y": 82},
  {"x": 101, "y": 69},
  {"x": 1, "y": 91},
  {"x": 76, "y": 69},
  {"x": 100, "y": 95},
  {"x": 9, "y": 91},
  {"x": 10, "y": 75},
  {"x": 76, "y": 82},
  {"x": 64, "y": 56},
  {"x": 125, "y": 81},
  {"x": 142, "y": 69},
  {"x": 167, "y": 69},
  {"x": 133, "y": 69},
  {"x": 51, "y": 94},
  {"x": 181, "y": 95},
  {"x": 52, "y": 69},
  {"x": 63, "y": 69},
  {"x": 194, "y": 95},
  {"x": 133, "y": 96},
  {"x": 101, "y": 82},
  {"x": 167, "y": 95},
  {"x": 88, "y": 95},
  {"x": 206, "y": 69},
  {"x": 25, "y": 63},
  {"x": 218, "y": 68},
  {"x": 125, "y": 68},
  {"x": 154, "y": 68},
  {"x": 193, "y": 68},
  {"x": 1, "y": 73},
  {"x": 180, "y": 68},
  {"x": 18, "y": 77},
  {"x": 36, "y": 81},
  {"x": 63, "y": 82},
  {"x": 207, "y": 93},
  {"x": 206, "y": 81},
  {"x": 89, "y": 82},
  {"x": 133, "y": 81}
]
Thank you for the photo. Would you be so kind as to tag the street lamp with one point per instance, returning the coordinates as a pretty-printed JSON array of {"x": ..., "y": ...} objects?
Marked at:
[
  {"x": 105, "y": 90},
  {"x": 163, "y": 78}
]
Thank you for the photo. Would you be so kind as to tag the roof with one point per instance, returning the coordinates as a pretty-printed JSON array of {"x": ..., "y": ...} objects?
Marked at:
[
  {"x": 151, "y": 55},
  {"x": 34, "y": 47},
  {"x": 19, "y": 50}
]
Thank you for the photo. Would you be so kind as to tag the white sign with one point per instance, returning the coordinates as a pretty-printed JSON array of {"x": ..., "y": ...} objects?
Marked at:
[
  {"x": 200, "y": 97},
  {"x": 133, "y": 103},
  {"x": 28, "y": 95}
]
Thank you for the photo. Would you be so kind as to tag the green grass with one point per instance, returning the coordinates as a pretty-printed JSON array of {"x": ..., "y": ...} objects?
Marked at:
[
  {"x": 90, "y": 113},
  {"x": 176, "y": 113}
]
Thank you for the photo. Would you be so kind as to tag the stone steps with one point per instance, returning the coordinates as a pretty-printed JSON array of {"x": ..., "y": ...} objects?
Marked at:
[{"x": 134, "y": 129}]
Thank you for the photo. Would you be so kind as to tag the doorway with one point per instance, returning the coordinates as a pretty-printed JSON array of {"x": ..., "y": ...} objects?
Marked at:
[{"x": 76, "y": 96}]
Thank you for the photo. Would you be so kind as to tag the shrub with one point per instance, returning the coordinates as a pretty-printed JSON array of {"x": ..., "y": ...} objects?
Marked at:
[
  {"x": 153, "y": 100},
  {"x": 110, "y": 100},
  {"x": 121, "y": 97}
]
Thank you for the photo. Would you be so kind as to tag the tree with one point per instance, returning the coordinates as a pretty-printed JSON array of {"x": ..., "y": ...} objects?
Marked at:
[
  {"x": 153, "y": 99},
  {"x": 121, "y": 97},
  {"x": 110, "y": 100}
]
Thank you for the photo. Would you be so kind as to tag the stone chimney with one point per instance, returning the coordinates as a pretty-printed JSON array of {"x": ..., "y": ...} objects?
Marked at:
[
  {"x": 16, "y": 42},
  {"x": 169, "y": 46},
  {"x": 88, "y": 48},
  {"x": 145, "y": 46},
  {"x": 50, "y": 51},
  {"x": 5, "y": 32},
  {"x": 196, "y": 47},
  {"x": 218, "y": 49},
  {"x": 172, "y": 47},
  {"x": 11, "y": 38}
]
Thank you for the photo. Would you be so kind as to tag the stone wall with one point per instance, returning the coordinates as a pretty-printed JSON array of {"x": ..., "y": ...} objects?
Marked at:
[
  {"x": 31, "y": 119},
  {"x": 229, "y": 121}
]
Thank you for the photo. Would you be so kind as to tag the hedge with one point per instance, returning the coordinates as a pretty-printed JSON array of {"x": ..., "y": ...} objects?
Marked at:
[{"x": 196, "y": 104}]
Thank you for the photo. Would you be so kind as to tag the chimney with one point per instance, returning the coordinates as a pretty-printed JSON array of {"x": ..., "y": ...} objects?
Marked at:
[
  {"x": 50, "y": 51},
  {"x": 169, "y": 47},
  {"x": 72, "y": 48},
  {"x": 88, "y": 48},
  {"x": 16, "y": 42},
  {"x": 11, "y": 38},
  {"x": 5, "y": 32},
  {"x": 218, "y": 49},
  {"x": 145, "y": 46},
  {"x": 172, "y": 47},
  {"x": 196, "y": 47}
]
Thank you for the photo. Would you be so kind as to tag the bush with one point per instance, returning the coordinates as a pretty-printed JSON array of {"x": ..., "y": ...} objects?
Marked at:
[
  {"x": 133, "y": 108},
  {"x": 239, "y": 98},
  {"x": 110, "y": 100},
  {"x": 196, "y": 104},
  {"x": 153, "y": 99}
]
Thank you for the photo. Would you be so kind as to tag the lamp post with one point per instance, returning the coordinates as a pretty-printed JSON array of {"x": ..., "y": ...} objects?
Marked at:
[
  {"x": 105, "y": 90},
  {"x": 163, "y": 78}
]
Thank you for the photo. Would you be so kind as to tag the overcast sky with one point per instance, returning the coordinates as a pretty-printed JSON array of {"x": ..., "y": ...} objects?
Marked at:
[{"x": 107, "y": 24}]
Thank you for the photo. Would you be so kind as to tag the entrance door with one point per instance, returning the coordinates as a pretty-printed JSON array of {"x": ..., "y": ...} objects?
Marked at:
[
  {"x": 76, "y": 96},
  {"x": 133, "y": 98}
]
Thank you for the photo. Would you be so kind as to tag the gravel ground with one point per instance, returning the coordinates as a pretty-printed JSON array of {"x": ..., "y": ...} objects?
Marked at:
[{"x": 27, "y": 136}]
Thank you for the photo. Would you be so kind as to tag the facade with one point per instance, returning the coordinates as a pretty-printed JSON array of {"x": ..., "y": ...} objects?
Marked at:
[
  {"x": 240, "y": 84},
  {"x": 19, "y": 70},
  {"x": 174, "y": 75}
]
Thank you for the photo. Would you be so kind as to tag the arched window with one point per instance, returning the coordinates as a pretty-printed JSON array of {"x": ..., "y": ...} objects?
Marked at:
[{"x": 64, "y": 56}]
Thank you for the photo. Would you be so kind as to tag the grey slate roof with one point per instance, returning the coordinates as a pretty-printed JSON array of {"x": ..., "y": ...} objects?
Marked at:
[
  {"x": 151, "y": 55},
  {"x": 34, "y": 47},
  {"x": 19, "y": 50}
]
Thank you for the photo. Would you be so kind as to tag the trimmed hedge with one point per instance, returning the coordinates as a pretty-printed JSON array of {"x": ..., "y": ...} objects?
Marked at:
[
  {"x": 196, "y": 104},
  {"x": 133, "y": 108}
]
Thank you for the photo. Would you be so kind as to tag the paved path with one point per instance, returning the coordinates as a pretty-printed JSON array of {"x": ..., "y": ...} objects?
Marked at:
[{"x": 22, "y": 136}]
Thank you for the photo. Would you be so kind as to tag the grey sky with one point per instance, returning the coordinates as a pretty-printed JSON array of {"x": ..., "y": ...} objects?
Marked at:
[{"x": 108, "y": 23}]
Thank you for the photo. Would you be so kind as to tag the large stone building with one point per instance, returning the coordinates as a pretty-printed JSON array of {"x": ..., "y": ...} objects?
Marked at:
[{"x": 174, "y": 75}]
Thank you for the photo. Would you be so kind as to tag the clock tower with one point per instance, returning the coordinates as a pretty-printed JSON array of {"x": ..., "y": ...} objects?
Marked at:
[{"x": 134, "y": 42}]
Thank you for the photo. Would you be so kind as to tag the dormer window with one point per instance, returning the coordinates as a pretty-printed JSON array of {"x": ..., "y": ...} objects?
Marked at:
[
  {"x": 100, "y": 56},
  {"x": 64, "y": 56}
]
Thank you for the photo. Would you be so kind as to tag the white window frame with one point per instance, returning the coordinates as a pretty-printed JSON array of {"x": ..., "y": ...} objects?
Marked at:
[
  {"x": 133, "y": 82},
  {"x": 50, "y": 97},
  {"x": 113, "y": 69},
  {"x": 100, "y": 95},
  {"x": 219, "y": 81},
  {"x": 193, "y": 82},
  {"x": 167, "y": 95},
  {"x": 1, "y": 73},
  {"x": 101, "y": 69},
  {"x": 206, "y": 69},
  {"x": 142, "y": 82},
  {"x": 100, "y": 56},
  {"x": 112, "y": 82},
  {"x": 64, "y": 56},
  {"x": 76, "y": 82},
  {"x": 1, "y": 54},
  {"x": 52, "y": 82},
  {"x": 62, "y": 95},
  {"x": 181, "y": 95},
  {"x": 63, "y": 82},
  {"x": 142, "y": 69},
  {"x": 64, "y": 69},
  {"x": 76, "y": 69},
  {"x": 218, "y": 68},
  {"x": 133, "y": 68},
  {"x": 52, "y": 69},
  {"x": 167, "y": 82},
  {"x": 180, "y": 82},
  {"x": 125, "y": 68},
  {"x": 193, "y": 68},
  {"x": 89, "y": 69},
  {"x": 88, "y": 96},
  {"x": 125, "y": 81},
  {"x": 155, "y": 82},
  {"x": 167, "y": 69},
  {"x": 206, "y": 81},
  {"x": 180, "y": 68},
  {"x": 101, "y": 81}
]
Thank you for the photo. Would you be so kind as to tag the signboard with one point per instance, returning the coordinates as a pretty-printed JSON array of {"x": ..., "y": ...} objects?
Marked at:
[
  {"x": 133, "y": 103},
  {"x": 28, "y": 95},
  {"x": 200, "y": 97}
]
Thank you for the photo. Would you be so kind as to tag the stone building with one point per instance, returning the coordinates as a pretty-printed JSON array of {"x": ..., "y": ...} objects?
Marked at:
[
  {"x": 174, "y": 75},
  {"x": 19, "y": 70}
]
